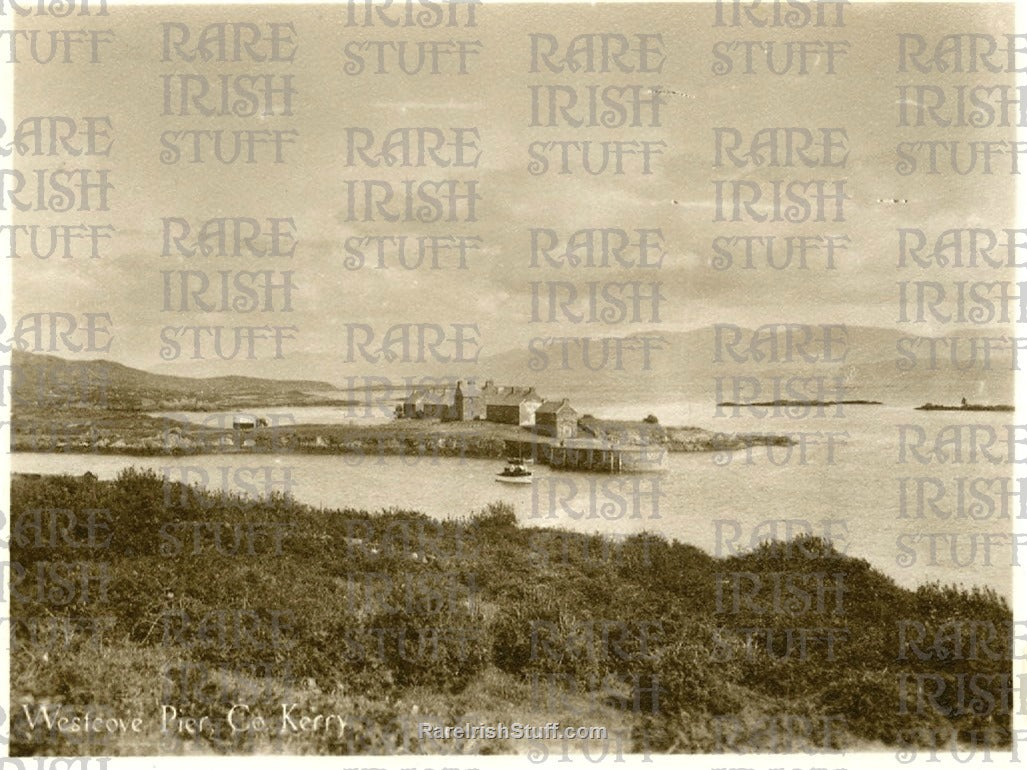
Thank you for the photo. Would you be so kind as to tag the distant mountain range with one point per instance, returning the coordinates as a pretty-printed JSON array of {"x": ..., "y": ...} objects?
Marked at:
[
  {"x": 688, "y": 365},
  {"x": 47, "y": 380},
  {"x": 684, "y": 366}
]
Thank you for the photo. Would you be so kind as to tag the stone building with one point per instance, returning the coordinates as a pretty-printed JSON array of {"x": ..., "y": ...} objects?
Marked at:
[
  {"x": 557, "y": 419},
  {"x": 514, "y": 405}
]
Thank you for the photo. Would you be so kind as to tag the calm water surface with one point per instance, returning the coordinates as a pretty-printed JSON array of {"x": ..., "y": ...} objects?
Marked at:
[{"x": 716, "y": 501}]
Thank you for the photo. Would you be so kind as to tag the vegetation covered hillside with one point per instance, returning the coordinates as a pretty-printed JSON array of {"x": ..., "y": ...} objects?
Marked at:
[{"x": 133, "y": 599}]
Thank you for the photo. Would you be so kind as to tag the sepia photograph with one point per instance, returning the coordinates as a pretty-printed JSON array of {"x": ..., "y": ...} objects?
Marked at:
[{"x": 403, "y": 381}]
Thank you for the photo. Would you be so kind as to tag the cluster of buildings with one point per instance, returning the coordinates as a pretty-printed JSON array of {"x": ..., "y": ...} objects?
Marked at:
[{"x": 506, "y": 404}]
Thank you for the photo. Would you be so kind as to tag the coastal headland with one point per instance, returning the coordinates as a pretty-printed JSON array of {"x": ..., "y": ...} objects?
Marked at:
[
  {"x": 106, "y": 408},
  {"x": 138, "y": 433}
]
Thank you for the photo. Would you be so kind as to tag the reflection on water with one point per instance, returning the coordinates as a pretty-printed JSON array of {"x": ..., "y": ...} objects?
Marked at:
[{"x": 845, "y": 483}]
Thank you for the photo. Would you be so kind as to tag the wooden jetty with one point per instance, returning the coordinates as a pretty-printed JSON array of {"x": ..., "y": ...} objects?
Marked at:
[{"x": 590, "y": 454}]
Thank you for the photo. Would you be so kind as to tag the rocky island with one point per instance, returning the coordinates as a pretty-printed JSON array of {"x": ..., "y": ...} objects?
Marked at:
[{"x": 966, "y": 407}]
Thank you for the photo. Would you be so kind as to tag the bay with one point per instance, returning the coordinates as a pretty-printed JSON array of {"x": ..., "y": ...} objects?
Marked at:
[{"x": 844, "y": 482}]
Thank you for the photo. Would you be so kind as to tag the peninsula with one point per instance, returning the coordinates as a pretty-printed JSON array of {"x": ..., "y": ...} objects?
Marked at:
[{"x": 107, "y": 408}]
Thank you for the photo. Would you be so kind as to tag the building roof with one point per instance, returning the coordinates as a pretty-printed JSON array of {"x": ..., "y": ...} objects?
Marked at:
[
  {"x": 555, "y": 407},
  {"x": 513, "y": 399},
  {"x": 503, "y": 395},
  {"x": 511, "y": 390},
  {"x": 432, "y": 395}
]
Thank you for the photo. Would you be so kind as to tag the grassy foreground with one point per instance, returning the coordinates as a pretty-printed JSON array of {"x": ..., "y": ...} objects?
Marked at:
[{"x": 133, "y": 597}]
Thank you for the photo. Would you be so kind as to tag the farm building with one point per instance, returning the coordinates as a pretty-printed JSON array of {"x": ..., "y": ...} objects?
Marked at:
[
  {"x": 424, "y": 403},
  {"x": 468, "y": 401},
  {"x": 507, "y": 404},
  {"x": 557, "y": 419},
  {"x": 248, "y": 422},
  {"x": 512, "y": 405},
  {"x": 464, "y": 402}
]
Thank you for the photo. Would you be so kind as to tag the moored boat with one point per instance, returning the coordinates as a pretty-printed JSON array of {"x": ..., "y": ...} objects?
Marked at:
[{"x": 514, "y": 473}]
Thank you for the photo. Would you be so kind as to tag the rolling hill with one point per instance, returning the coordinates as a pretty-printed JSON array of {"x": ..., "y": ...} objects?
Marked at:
[
  {"x": 687, "y": 366},
  {"x": 45, "y": 380},
  {"x": 872, "y": 363}
]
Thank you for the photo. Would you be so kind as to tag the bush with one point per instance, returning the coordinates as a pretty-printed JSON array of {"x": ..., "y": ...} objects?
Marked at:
[
  {"x": 873, "y": 708},
  {"x": 429, "y": 639},
  {"x": 495, "y": 516}
]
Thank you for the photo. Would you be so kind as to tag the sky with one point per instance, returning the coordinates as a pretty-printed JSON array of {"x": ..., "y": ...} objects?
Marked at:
[{"x": 493, "y": 98}]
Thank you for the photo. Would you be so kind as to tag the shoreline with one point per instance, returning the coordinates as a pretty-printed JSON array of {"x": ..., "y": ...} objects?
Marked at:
[{"x": 138, "y": 434}]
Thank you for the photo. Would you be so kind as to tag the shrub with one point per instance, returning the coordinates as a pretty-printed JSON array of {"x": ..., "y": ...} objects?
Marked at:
[
  {"x": 495, "y": 516},
  {"x": 380, "y": 603},
  {"x": 430, "y": 636},
  {"x": 871, "y": 705}
]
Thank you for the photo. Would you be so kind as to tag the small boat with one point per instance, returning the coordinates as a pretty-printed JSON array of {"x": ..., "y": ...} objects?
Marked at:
[{"x": 514, "y": 473}]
